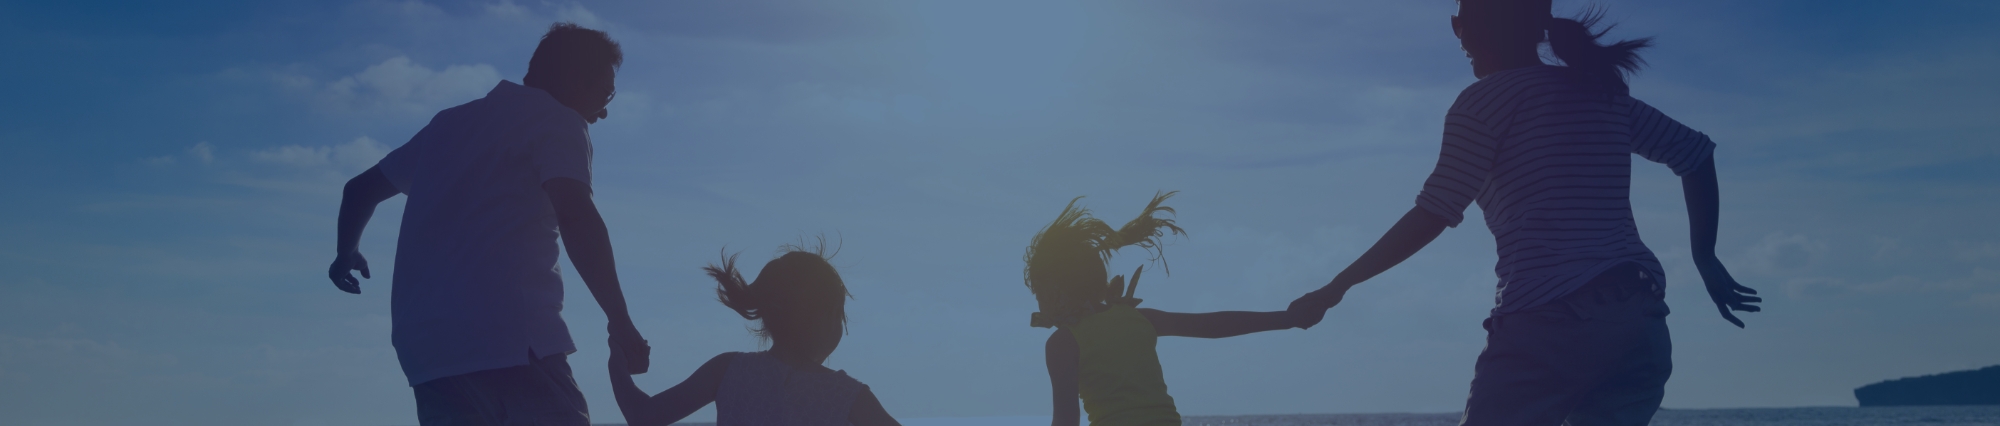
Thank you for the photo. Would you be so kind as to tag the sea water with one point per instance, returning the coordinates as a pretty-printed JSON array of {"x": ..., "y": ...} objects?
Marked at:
[
  {"x": 1805, "y": 416},
  {"x": 1976, "y": 415}
]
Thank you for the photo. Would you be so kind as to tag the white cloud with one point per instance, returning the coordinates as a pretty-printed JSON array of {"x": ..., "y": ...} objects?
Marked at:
[
  {"x": 203, "y": 152},
  {"x": 1782, "y": 253},
  {"x": 506, "y": 9},
  {"x": 397, "y": 86},
  {"x": 574, "y": 12},
  {"x": 74, "y": 356},
  {"x": 294, "y": 155},
  {"x": 359, "y": 153},
  {"x": 1980, "y": 252}
]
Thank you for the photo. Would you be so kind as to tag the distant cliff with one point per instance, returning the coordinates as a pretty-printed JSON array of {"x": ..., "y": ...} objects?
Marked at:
[{"x": 1970, "y": 387}]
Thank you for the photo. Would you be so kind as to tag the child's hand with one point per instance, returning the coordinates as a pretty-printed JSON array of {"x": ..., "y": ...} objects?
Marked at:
[
  {"x": 1309, "y": 309},
  {"x": 1304, "y": 318}
]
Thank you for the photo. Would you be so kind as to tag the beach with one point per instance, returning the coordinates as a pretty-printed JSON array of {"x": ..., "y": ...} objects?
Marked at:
[{"x": 1968, "y": 415}]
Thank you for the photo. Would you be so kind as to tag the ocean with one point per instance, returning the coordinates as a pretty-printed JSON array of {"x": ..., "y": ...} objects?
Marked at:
[
  {"x": 1976, "y": 415},
  {"x": 1804, "y": 416}
]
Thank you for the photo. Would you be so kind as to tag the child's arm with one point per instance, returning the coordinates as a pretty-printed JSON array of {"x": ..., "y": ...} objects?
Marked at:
[
  {"x": 867, "y": 411},
  {"x": 1063, "y": 361},
  {"x": 676, "y": 403},
  {"x": 1214, "y": 325}
]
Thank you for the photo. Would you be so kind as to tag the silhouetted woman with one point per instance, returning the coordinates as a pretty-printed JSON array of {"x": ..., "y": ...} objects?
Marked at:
[{"x": 1579, "y": 332}]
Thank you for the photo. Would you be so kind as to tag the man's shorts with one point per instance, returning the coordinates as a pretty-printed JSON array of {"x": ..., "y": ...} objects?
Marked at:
[{"x": 542, "y": 393}]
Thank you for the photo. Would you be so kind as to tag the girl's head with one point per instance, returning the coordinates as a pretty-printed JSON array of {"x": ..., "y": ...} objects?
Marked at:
[
  {"x": 1066, "y": 260},
  {"x": 1492, "y": 31},
  {"x": 798, "y": 297}
]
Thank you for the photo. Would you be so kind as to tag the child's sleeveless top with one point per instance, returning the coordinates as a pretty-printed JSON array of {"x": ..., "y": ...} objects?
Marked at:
[
  {"x": 1119, "y": 373},
  {"x": 759, "y": 390}
]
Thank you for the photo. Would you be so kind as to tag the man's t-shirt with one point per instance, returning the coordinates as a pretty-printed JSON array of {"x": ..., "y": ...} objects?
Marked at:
[
  {"x": 476, "y": 285},
  {"x": 1549, "y": 160}
]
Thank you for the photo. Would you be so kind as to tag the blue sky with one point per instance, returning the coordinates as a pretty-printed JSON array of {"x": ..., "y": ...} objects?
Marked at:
[{"x": 176, "y": 170}]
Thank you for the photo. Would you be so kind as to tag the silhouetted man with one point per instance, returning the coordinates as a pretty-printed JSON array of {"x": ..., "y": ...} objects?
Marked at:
[{"x": 477, "y": 301}]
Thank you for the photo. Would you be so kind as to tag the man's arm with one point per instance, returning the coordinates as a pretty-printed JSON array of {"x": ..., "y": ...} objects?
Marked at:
[
  {"x": 1216, "y": 325},
  {"x": 1701, "y": 192},
  {"x": 589, "y": 245},
  {"x": 1416, "y": 229},
  {"x": 357, "y": 205}
]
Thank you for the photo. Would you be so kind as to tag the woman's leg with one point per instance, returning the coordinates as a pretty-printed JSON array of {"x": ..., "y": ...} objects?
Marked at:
[
  {"x": 1533, "y": 369},
  {"x": 1631, "y": 391},
  {"x": 1599, "y": 355}
]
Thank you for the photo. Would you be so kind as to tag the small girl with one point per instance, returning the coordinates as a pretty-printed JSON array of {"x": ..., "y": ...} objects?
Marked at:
[
  {"x": 801, "y": 301},
  {"x": 1102, "y": 349}
]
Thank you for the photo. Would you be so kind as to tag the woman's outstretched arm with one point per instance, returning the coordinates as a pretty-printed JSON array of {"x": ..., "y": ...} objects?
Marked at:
[
  {"x": 1215, "y": 325},
  {"x": 1699, "y": 188},
  {"x": 1414, "y": 231},
  {"x": 672, "y": 405}
]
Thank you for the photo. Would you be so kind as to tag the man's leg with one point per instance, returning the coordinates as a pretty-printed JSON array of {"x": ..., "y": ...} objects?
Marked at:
[
  {"x": 545, "y": 394},
  {"x": 542, "y": 393},
  {"x": 453, "y": 401}
]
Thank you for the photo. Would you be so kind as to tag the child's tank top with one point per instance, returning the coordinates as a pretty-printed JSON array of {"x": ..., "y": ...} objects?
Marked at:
[
  {"x": 759, "y": 390},
  {"x": 1119, "y": 373}
]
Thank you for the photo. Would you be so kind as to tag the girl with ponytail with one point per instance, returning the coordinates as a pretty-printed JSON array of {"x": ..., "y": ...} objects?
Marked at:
[
  {"x": 1578, "y": 332},
  {"x": 800, "y": 303},
  {"x": 1102, "y": 351}
]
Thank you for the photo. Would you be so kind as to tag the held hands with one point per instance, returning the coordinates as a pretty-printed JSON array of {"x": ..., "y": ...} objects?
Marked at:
[
  {"x": 342, "y": 271},
  {"x": 617, "y": 363},
  {"x": 1309, "y": 309},
  {"x": 629, "y": 352},
  {"x": 1723, "y": 289}
]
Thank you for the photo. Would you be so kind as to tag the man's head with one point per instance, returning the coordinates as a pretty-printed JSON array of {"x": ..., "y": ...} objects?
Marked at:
[{"x": 577, "y": 66}]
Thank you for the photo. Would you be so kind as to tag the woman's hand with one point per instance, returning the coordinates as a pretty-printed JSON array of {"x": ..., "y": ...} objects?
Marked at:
[{"x": 1723, "y": 289}]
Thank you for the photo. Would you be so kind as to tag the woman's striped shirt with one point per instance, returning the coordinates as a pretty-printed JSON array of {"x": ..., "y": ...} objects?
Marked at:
[{"x": 1548, "y": 158}]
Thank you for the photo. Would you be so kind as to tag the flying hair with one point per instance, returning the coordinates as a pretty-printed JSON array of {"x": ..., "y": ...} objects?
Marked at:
[
  {"x": 1573, "y": 41},
  {"x": 799, "y": 285},
  {"x": 1065, "y": 262}
]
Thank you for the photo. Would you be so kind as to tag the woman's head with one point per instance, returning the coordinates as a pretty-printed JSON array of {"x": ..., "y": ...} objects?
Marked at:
[
  {"x": 1066, "y": 260},
  {"x": 798, "y": 297},
  {"x": 1499, "y": 33}
]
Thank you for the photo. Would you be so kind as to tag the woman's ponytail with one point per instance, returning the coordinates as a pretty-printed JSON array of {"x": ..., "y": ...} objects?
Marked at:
[
  {"x": 732, "y": 290},
  {"x": 1576, "y": 45}
]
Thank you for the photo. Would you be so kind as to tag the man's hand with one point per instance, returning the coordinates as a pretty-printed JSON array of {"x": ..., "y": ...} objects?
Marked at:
[
  {"x": 627, "y": 346},
  {"x": 1723, "y": 289},
  {"x": 617, "y": 363},
  {"x": 342, "y": 271},
  {"x": 357, "y": 204}
]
